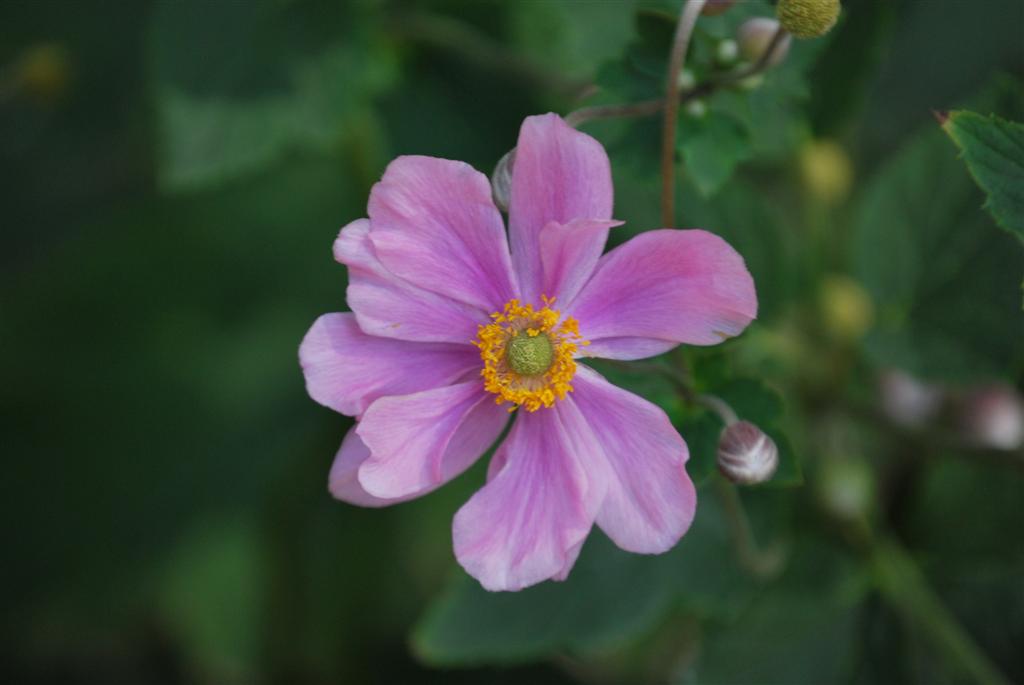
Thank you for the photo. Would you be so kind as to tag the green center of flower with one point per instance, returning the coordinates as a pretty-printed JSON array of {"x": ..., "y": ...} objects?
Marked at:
[{"x": 530, "y": 355}]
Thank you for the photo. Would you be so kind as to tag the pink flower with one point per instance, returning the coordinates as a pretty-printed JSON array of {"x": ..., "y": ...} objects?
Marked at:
[{"x": 453, "y": 327}]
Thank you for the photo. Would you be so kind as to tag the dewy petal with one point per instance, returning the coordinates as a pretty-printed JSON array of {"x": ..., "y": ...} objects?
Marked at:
[
  {"x": 389, "y": 306},
  {"x": 433, "y": 223},
  {"x": 559, "y": 175},
  {"x": 528, "y": 522},
  {"x": 650, "y": 499},
  {"x": 669, "y": 285},
  {"x": 343, "y": 481},
  {"x": 346, "y": 369},
  {"x": 569, "y": 253},
  {"x": 422, "y": 440}
]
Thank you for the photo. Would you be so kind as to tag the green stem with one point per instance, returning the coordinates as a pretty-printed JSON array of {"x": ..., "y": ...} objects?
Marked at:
[
  {"x": 904, "y": 586},
  {"x": 677, "y": 58},
  {"x": 760, "y": 563}
]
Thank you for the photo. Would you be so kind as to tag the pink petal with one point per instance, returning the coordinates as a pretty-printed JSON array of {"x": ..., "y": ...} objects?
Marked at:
[
  {"x": 422, "y": 440},
  {"x": 626, "y": 348},
  {"x": 528, "y": 522},
  {"x": 559, "y": 175},
  {"x": 650, "y": 500},
  {"x": 343, "y": 481},
  {"x": 569, "y": 253},
  {"x": 386, "y": 305},
  {"x": 670, "y": 285},
  {"x": 346, "y": 369},
  {"x": 432, "y": 222}
]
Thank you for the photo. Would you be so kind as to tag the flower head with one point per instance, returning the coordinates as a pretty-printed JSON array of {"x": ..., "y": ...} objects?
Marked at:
[{"x": 457, "y": 328}]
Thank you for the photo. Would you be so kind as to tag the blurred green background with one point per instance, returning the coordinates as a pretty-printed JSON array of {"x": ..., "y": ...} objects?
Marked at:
[{"x": 172, "y": 175}]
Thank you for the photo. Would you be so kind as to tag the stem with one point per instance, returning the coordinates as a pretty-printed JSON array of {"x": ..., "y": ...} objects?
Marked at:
[
  {"x": 684, "y": 29},
  {"x": 719, "y": 406},
  {"x": 759, "y": 563},
  {"x": 645, "y": 108},
  {"x": 903, "y": 585},
  {"x": 636, "y": 109},
  {"x": 760, "y": 65}
]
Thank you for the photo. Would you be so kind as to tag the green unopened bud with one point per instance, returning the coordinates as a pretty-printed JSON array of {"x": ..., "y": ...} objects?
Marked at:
[
  {"x": 530, "y": 355},
  {"x": 755, "y": 36},
  {"x": 501, "y": 180},
  {"x": 746, "y": 455},
  {"x": 727, "y": 52},
  {"x": 826, "y": 170},
  {"x": 808, "y": 18},
  {"x": 696, "y": 109},
  {"x": 752, "y": 82},
  {"x": 847, "y": 310},
  {"x": 686, "y": 80},
  {"x": 846, "y": 487}
]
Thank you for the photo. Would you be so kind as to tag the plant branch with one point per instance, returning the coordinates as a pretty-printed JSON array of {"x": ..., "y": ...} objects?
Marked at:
[
  {"x": 904, "y": 587},
  {"x": 760, "y": 563},
  {"x": 645, "y": 108},
  {"x": 677, "y": 58}
]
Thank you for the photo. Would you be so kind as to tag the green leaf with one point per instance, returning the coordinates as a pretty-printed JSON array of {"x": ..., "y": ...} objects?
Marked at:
[
  {"x": 712, "y": 146},
  {"x": 221, "y": 116},
  {"x": 944, "y": 280},
  {"x": 803, "y": 630},
  {"x": 993, "y": 149}
]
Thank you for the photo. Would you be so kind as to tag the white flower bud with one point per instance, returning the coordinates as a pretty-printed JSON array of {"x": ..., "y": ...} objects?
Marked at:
[
  {"x": 754, "y": 37},
  {"x": 501, "y": 180},
  {"x": 746, "y": 455},
  {"x": 727, "y": 52},
  {"x": 993, "y": 417},
  {"x": 696, "y": 109},
  {"x": 907, "y": 401},
  {"x": 686, "y": 80}
]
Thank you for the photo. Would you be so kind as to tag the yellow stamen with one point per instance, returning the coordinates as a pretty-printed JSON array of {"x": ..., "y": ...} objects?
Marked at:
[{"x": 529, "y": 391}]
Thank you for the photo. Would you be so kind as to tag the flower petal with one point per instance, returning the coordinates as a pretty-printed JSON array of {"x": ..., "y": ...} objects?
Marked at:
[
  {"x": 389, "y": 306},
  {"x": 422, "y": 440},
  {"x": 670, "y": 285},
  {"x": 343, "y": 481},
  {"x": 346, "y": 369},
  {"x": 569, "y": 253},
  {"x": 432, "y": 222},
  {"x": 528, "y": 522},
  {"x": 559, "y": 174},
  {"x": 626, "y": 348},
  {"x": 650, "y": 499}
]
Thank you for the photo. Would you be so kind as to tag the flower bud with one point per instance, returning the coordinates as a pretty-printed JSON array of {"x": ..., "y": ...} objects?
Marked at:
[
  {"x": 715, "y": 7},
  {"x": 755, "y": 35},
  {"x": 846, "y": 487},
  {"x": 808, "y": 18},
  {"x": 696, "y": 109},
  {"x": 907, "y": 401},
  {"x": 846, "y": 308},
  {"x": 727, "y": 52},
  {"x": 501, "y": 180},
  {"x": 993, "y": 417},
  {"x": 686, "y": 80},
  {"x": 746, "y": 455},
  {"x": 826, "y": 171},
  {"x": 43, "y": 72},
  {"x": 752, "y": 82}
]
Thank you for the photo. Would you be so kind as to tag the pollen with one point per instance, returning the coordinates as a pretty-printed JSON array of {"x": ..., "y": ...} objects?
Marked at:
[{"x": 528, "y": 354}]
